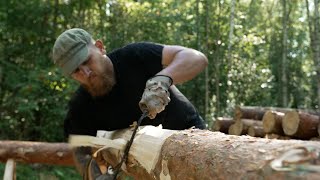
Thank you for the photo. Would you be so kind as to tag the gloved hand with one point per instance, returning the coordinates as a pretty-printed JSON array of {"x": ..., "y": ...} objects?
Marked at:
[{"x": 156, "y": 95}]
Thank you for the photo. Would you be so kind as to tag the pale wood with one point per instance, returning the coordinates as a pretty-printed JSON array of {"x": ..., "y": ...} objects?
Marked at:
[
  {"x": 272, "y": 122},
  {"x": 256, "y": 131},
  {"x": 203, "y": 154},
  {"x": 241, "y": 127},
  {"x": 36, "y": 152},
  {"x": 222, "y": 124},
  {"x": 276, "y": 136},
  {"x": 300, "y": 125},
  {"x": 10, "y": 170}
]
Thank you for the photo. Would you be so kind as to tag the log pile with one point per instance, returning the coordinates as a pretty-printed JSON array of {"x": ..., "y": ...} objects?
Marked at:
[{"x": 270, "y": 122}]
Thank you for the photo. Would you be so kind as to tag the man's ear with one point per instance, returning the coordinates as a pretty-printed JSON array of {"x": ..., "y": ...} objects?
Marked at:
[{"x": 99, "y": 44}]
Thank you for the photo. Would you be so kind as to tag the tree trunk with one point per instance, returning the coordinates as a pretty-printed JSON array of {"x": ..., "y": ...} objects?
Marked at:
[
  {"x": 222, "y": 124},
  {"x": 272, "y": 122},
  {"x": 300, "y": 125},
  {"x": 313, "y": 23},
  {"x": 200, "y": 154},
  {"x": 36, "y": 152},
  {"x": 284, "y": 79}
]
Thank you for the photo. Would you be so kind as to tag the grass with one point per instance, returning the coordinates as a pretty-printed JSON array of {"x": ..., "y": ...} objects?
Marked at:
[{"x": 43, "y": 172}]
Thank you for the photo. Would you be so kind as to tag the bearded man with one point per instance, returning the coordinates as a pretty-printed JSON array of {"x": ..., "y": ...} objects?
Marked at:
[{"x": 116, "y": 87}]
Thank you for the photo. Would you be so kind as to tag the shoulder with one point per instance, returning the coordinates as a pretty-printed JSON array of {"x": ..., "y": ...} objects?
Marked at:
[{"x": 142, "y": 46}]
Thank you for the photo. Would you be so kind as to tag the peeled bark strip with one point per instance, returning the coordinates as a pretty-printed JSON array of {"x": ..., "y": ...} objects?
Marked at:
[
  {"x": 222, "y": 124},
  {"x": 202, "y": 154},
  {"x": 300, "y": 125},
  {"x": 36, "y": 152},
  {"x": 272, "y": 122},
  {"x": 256, "y": 131}
]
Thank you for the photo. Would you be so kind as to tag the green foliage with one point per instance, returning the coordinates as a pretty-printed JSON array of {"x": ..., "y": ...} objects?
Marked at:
[
  {"x": 42, "y": 172},
  {"x": 34, "y": 94}
]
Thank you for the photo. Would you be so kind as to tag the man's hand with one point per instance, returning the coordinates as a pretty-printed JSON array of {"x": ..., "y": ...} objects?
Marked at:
[{"x": 156, "y": 95}]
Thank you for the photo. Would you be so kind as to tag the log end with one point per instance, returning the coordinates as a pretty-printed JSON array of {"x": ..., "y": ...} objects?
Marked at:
[
  {"x": 268, "y": 121},
  {"x": 290, "y": 123}
]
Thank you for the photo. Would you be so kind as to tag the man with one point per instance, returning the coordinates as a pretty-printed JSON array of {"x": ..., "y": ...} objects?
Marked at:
[{"x": 116, "y": 88}]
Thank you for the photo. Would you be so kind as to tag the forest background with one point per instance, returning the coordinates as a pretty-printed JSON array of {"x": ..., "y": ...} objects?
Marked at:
[{"x": 261, "y": 53}]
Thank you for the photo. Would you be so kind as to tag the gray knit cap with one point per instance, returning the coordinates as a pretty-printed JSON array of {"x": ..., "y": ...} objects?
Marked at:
[{"x": 71, "y": 49}]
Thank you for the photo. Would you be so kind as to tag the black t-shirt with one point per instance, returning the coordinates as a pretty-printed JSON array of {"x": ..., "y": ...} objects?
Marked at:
[{"x": 134, "y": 64}]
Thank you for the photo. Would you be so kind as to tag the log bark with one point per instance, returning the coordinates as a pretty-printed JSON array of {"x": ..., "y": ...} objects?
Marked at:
[
  {"x": 248, "y": 112},
  {"x": 36, "y": 152},
  {"x": 256, "y": 112},
  {"x": 272, "y": 122},
  {"x": 202, "y": 154},
  {"x": 300, "y": 125},
  {"x": 222, "y": 124}
]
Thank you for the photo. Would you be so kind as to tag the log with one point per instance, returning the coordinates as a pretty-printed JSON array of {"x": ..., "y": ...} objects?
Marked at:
[
  {"x": 256, "y": 112},
  {"x": 36, "y": 152},
  {"x": 256, "y": 131},
  {"x": 248, "y": 112},
  {"x": 202, "y": 154},
  {"x": 300, "y": 125},
  {"x": 276, "y": 136},
  {"x": 222, "y": 124},
  {"x": 272, "y": 122},
  {"x": 241, "y": 127}
]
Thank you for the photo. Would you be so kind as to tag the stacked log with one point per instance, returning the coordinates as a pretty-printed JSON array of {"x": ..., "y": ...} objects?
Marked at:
[
  {"x": 300, "y": 125},
  {"x": 222, "y": 124},
  {"x": 270, "y": 122}
]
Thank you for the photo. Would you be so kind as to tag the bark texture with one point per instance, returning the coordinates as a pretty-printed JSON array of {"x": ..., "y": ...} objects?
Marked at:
[
  {"x": 247, "y": 112},
  {"x": 222, "y": 124},
  {"x": 204, "y": 155},
  {"x": 300, "y": 125},
  {"x": 36, "y": 152}
]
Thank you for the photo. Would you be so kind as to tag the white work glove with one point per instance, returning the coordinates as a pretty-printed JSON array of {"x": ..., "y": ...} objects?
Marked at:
[{"x": 156, "y": 95}]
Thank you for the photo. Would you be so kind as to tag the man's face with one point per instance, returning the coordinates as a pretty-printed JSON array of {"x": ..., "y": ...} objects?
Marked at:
[{"x": 96, "y": 74}]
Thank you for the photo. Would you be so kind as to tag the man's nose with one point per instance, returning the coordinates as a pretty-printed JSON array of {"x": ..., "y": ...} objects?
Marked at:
[{"x": 85, "y": 70}]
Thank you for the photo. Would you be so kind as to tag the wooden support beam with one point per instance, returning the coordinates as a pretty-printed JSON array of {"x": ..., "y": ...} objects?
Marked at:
[
  {"x": 10, "y": 170},
  {"x": 36, "y": 152}
]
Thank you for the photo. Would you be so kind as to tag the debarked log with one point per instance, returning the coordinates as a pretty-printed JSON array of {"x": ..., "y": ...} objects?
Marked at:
[
  {"x": 36, "y": 152},
  {"x": 201, "y": 154}
]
